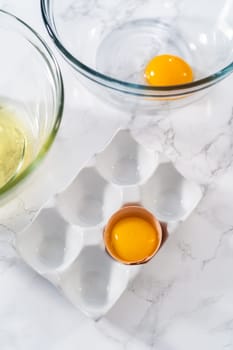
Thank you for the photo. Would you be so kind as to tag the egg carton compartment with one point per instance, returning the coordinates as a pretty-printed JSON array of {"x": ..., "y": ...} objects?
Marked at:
[
  {"x": 169, "y": 196},
  {"x": 50, "y": 244},
  {"x": 125, "y": 162},
  {"x": 90, "y": 200},
  {"x": 95, "y": 281},
  {"x": 65, "y": 242}
]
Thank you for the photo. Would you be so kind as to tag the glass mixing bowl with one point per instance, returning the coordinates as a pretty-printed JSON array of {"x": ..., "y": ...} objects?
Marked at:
[
  {"x": 31, "y": 101},
  {"x": 109, "y": 42}
]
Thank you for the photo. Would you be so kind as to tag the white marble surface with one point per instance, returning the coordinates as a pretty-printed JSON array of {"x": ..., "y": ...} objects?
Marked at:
[{"x": 183, "y": 298}]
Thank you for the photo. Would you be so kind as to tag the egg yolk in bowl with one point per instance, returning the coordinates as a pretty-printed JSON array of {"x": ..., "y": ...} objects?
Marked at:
[{"x": 167, "y": 70}]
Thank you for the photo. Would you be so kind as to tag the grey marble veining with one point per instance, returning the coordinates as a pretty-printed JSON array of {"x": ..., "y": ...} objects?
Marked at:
[{"x": 183, "y": 298}]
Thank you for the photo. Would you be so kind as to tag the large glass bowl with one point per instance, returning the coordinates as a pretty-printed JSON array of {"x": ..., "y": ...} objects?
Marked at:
[
  {"x": 31, "y": 89},
  {"x": 109, "y": 42}
]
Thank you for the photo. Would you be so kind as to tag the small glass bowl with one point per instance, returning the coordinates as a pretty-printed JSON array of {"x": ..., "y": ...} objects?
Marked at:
[
  {"x": 109, "y": 42},
  {"x": 31, "y": 87}
]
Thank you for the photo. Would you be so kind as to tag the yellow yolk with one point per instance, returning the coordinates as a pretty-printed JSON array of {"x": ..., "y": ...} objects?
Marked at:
[
  {"x": 165, "y": 70},
  {"x": 134, "y": 239}
]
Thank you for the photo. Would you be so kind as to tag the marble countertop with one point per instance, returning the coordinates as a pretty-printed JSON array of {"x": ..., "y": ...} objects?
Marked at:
[{"x": 183, "y": 298}]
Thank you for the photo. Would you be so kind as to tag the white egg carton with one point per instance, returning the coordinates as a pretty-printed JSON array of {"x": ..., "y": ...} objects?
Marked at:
[{"x": 65, "y": 242}]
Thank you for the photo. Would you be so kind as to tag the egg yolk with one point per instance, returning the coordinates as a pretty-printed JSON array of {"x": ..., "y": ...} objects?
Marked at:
[
  {"x": 167, "y": 70},
  {"x": 134, "y": 239}
]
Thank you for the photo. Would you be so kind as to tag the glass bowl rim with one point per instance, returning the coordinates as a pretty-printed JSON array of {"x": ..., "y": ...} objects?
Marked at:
[
  {"x": 90, "y": 73},
  {"x": 59, "y": 101}
]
